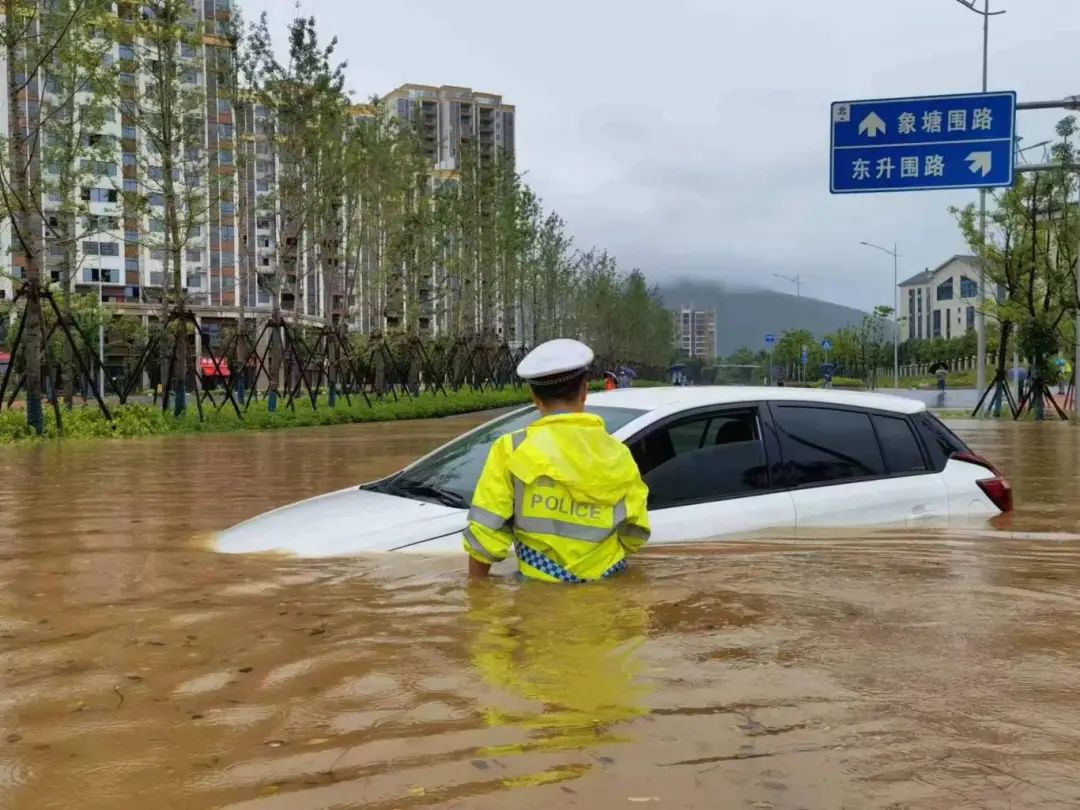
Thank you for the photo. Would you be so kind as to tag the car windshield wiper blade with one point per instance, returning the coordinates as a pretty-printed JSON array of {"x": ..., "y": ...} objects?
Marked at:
[{"x": 428, "y": 491}]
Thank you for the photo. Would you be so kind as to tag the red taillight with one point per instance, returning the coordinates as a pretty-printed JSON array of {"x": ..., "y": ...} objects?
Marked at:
[{"x": 997, "y": 488}]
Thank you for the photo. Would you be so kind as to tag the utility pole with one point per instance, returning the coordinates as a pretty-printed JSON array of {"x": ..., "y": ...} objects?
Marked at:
[
  {"x": 796, "y": 280},
  {"x": 980, "y": 313},
  {"x": 896, "y": 307}
]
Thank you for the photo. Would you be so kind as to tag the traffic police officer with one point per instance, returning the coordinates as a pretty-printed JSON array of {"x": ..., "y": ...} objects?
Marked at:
[{"x": 563, "y": 492}]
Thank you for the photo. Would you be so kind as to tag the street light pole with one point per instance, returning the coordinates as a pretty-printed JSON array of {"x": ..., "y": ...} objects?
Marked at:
[
  {"x": 980, "y": 313},
  {"x": 796, "y": 280},
  {"x": 896, "y": 306}
]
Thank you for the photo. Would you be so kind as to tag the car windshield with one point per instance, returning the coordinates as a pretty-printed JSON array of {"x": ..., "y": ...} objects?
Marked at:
[{"x": 449, "y": 476}]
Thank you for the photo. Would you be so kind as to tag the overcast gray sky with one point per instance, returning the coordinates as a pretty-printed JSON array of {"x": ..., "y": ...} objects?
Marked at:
[{"x": 690, "y": 137}]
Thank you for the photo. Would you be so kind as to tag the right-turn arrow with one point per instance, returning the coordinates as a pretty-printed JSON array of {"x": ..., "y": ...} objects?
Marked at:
[{"x": 981, "y": 162}]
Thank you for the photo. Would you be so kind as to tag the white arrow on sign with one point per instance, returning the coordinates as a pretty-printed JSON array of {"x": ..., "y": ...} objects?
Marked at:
[
  {"x": 871, "y": 125},
  {"x": 981, "y": 162}
]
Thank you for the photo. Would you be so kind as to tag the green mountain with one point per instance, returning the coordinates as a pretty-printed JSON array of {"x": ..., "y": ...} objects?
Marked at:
[{"x": 744, "y": 316}]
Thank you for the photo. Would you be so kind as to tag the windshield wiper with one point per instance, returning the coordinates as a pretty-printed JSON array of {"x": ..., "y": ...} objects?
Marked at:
[{"x": 419, "y": 489}]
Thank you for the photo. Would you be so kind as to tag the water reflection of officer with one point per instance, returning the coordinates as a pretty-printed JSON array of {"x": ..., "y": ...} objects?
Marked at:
[{"x": 577, "y": 653}]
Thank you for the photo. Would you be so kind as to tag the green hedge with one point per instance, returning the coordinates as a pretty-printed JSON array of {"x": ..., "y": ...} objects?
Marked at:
[{"x": 87, "y": 422}]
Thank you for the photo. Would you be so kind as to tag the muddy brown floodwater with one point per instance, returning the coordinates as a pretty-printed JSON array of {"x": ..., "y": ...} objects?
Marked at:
[{"x": 860, "y": 670}]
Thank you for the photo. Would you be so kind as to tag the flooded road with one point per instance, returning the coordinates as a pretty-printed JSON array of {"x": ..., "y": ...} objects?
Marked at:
[{"x": 863, "y": 670}]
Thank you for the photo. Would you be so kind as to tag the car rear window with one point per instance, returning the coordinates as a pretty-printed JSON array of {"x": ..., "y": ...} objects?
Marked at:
[
  {"x": 826, "y": 445},
  {"x": 940, "y": 442},
  {"x": 899, "y": 445}
]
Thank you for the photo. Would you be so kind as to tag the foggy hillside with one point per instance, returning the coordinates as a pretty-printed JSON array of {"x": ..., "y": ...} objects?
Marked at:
[{"x": 744, "y": 316}]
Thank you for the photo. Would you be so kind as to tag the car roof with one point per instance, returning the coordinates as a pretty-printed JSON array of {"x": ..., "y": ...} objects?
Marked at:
[{"x": 677, "y": 398}]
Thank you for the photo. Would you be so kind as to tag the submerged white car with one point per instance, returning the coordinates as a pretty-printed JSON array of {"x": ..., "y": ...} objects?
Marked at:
[{"x": 720, "y": 462}]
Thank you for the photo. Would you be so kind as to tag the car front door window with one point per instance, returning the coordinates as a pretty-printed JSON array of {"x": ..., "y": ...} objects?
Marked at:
[{"x": 707, "y": 458}]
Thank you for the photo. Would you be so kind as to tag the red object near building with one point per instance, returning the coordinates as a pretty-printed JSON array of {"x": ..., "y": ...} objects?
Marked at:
[{"x": 208, "y": 368}]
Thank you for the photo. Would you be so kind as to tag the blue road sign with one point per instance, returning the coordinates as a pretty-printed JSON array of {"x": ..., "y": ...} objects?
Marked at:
[
  {"x": 826, "y": 345},
  {"x": 920, "y": 144},
  {"x": 770, "y": 340}
]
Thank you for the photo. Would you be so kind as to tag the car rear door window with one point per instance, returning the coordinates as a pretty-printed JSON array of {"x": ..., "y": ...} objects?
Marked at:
[
  {"x": 902, "y": 452},
  {"x": 707, "y": 458},
  {"x": 826, "y": 445}
]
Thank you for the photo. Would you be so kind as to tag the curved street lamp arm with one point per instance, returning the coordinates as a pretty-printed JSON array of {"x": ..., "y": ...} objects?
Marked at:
[{"x": 970, "y": 6}]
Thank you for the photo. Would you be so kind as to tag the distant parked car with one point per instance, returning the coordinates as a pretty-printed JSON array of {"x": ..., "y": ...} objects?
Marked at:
[{"x": 720, "y": 462}]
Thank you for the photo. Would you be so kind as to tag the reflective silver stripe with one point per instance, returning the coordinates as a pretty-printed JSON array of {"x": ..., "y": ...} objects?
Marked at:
[
  {"x": 489, "y": 520},
  {"x": 618, "y": 515},
  {"x": 519, "y": 497},
  {"x": 477, "y": 546},
  {"x": 630, "y": 530},
  {"x": 517, "y": 438},
  {"x": 560, "y": 528}
]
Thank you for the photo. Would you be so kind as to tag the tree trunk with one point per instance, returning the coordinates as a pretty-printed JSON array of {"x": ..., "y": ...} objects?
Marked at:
[
  {"x": 25, "y": 176},
  {"x": 68, "y": 277}
]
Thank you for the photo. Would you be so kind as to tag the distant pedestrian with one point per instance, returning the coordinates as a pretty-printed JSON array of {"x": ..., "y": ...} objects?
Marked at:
[{"x": 942, "y": 374}]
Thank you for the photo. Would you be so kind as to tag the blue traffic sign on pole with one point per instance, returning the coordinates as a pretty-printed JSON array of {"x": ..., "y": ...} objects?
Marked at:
[
  {"x": 826, "y": 345},
  {"x": 770, "y": 340},
  {"x": 921, "y": 144}
]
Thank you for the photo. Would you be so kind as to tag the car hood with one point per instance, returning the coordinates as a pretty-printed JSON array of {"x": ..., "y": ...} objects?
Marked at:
[{"x": 346, "y": 522}]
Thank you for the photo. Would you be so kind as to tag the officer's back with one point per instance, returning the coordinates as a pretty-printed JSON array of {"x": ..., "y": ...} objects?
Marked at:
[{"x": 563, "y": 492}]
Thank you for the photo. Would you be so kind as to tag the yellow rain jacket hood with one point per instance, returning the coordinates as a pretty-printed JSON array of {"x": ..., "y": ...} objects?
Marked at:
[{"x": 566, "y": 494}]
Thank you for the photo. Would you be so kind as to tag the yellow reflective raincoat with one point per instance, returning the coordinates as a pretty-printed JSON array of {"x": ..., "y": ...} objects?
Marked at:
[{"x": 566, "y": 495}]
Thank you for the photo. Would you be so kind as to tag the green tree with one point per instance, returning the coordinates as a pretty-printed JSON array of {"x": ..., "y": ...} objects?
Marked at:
[
  {"x": 39, "y": 42},
  {"x": 160, "y": 47},
  {"x": 303, "y": 96}
]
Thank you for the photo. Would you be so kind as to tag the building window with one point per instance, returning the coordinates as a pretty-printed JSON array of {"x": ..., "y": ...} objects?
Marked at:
[
  {"x": 98, "y": 167},
  {"x": 225, "y": 156},
  {"x": 127, "y": 52},
  {"x": 225, "y": 131},
  {"x": 228, "y": 209},
  {"x": 970, "y": 318},
  {"x": 99, "y": 195},
  {"x": 100, "y": 249},
  {"x": 228, "y": 233},
  {"x": 224, "y": 105},
  {"x": 128, "y": 159},
  {"x": 186, "y": 50},
  {"x": 193, "y": 255},
  {"x": 131, "y": 237},
  {"x": 262, "y": 185},
  {"x": 968, "y": 288},
  {"x": 937, "y": 323},
  {"x": 155, "y": 198},
  {"x": 945, "y": 290},
  {"x": 131, "y": 264}
]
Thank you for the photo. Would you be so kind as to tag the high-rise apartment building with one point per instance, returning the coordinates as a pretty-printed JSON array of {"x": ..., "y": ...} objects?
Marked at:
[
  {"x": 449, "y": 118},
  {"x": 695, "y": 333},
  {"x": 240, "y": 250},
  {"x": 116, "y": 257}
]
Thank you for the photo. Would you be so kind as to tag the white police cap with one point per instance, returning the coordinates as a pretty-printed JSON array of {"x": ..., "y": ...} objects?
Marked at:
[{"x": 561, "y": 357}]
